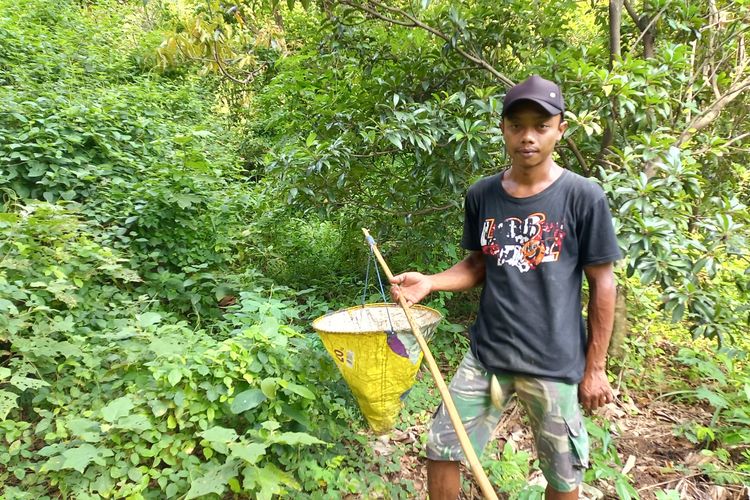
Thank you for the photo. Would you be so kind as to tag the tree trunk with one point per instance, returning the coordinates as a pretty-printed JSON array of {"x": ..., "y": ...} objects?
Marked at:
[{"x": 615, "y": 23}]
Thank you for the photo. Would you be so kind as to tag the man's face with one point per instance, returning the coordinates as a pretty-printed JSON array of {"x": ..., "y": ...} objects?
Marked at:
[{"x": 531, "y": 134}]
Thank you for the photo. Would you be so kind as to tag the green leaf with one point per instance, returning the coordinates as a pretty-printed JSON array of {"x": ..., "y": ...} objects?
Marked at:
[
  {"x": 623, "y": 489},
  {"x": 715, "y": 399},
  {"x": 295, "y": 439},
  {"x": 182, "y": 139},
  {"x": 8, "y": 401},
  {"x": 86, "y": 429},
  {"x": 301, "y": 390},
  {"x": 395, "y": 140},
  {"x": 158, "y": 407},
  {"x": 172, "y": 490},
  {"x": 134, "y": 474},
  {"x": 161, "y": 346},
  {"x": 148, "y": 319},
  {"x": 247, "y": 400},
  {"x": 24, "y": 383},
  {"x": 268, "y": 387},
  {"x": 120, "y": 407},
  {"x": 4, "y": 372},
  {"x": 249, "y": 452},
  {"x": 269, "y": 480},
  {"x": 135, "y": 423},
  {"x": 174, "y": 376},
  {"x": 218, "y": 434},
  {"x": 79, "y": 458},
  {"x": 214, "y": 480},
  {"x": 6, "y": 306}
]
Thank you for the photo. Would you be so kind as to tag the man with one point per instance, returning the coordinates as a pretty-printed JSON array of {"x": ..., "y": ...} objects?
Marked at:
[{"x": 532, "y": 231}]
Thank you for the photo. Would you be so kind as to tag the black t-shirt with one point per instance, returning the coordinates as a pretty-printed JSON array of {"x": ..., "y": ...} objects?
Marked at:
[{"x": 530, "y": 314}]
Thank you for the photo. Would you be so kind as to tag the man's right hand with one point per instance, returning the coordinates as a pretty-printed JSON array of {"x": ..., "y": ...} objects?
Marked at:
[{"x": 413, "y": 286}]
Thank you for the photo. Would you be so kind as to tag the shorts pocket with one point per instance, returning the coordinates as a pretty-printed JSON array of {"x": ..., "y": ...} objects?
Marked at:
[{"x": 579, "y": 441}]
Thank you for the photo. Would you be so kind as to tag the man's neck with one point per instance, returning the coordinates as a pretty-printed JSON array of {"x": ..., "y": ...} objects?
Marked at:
[{"x": 523, "y": 182}]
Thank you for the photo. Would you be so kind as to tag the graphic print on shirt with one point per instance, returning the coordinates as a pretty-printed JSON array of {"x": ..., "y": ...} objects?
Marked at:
[{"x": 523, "y": 244}]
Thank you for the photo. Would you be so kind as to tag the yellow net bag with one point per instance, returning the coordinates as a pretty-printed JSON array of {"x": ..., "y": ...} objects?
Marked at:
[{"x": 377, "y": 354}]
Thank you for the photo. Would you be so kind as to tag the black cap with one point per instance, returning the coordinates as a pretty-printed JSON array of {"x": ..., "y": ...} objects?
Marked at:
[{"x": 535, "y": 88}]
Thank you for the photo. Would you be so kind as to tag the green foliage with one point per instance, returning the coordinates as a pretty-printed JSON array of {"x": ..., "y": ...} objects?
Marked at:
[
  {"x": 138, "y": 195},
  {"x": 723, "y": 382},
  {"x": 606, "y": 465},
  {"x": 510, "y": 473},
  {"x": 124, "y": 401},
  {"x": 377, "y": 121}
]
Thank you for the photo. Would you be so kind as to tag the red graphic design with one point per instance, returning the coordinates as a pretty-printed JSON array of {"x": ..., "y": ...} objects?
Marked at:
[{"x": 523, "y": 244}]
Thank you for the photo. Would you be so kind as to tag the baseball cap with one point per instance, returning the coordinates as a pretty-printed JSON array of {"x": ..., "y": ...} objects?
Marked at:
[{"x": 535, "y": 88}]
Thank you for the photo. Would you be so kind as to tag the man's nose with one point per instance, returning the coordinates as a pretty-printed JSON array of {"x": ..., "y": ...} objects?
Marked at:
[{"x": 527, "y": 135}]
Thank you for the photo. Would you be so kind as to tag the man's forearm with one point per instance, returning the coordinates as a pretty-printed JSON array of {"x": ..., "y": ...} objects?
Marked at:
[
  {"x": 601, "y": 314},
  {"x": 464, "y": 275}
]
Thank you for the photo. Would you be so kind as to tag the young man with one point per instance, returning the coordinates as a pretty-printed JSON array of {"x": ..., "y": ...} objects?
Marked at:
[{"x": 532, "y": 231}]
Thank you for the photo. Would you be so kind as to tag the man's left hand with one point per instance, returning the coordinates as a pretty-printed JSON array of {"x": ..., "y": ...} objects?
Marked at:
[{"x": 594, "y": 390}]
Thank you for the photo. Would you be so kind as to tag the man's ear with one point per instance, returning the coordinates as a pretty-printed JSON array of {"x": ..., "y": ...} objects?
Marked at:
[{"x": 562, "y": 127}]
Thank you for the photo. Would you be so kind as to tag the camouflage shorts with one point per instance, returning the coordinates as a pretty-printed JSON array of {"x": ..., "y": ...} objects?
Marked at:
[{"x": 560, "y": 436}]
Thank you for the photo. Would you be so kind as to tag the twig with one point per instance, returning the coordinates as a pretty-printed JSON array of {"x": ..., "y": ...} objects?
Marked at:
[
  {"x": 432, "y": 209},
  {"x": 376, "y": 153},
  {"x": 652, "y": 486}
]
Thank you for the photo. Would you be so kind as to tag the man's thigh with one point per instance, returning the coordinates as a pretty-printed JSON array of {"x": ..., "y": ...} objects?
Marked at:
[
  {"x": 470, "y": 390},
  {"x": 560, "y": 436}
]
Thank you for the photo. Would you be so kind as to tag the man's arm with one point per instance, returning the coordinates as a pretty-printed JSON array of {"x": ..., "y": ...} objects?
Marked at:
[
  {"x": 594, "y": 390},
  {"x": 464, "y": 275}
]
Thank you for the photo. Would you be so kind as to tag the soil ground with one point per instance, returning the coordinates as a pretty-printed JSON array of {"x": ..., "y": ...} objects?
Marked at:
[{"x": 643, "y": 431}]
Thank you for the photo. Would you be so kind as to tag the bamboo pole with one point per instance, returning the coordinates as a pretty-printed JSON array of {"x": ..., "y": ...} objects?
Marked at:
[{"x": 469, "y": 453}]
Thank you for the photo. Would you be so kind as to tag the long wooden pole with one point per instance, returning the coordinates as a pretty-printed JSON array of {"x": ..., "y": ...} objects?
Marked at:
[{"x": 471, "y": 456}]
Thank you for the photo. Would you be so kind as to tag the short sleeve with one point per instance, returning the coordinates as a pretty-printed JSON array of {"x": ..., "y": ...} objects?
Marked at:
[
  {"x": 598, "y": 243},
  {"x": 470, "y": 239}
]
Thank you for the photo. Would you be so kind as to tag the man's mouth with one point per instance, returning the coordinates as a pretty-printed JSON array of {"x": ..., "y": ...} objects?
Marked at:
[{"x": 527, "y": 152}]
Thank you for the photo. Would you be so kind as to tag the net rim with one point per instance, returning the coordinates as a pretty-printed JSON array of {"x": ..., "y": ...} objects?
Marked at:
[{"x": 438, "y": 316}]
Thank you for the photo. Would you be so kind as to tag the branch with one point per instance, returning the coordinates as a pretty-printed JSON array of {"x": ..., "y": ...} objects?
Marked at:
[
  {"x": 728, "y": 143},
  {"x": 712, "y": 112},
  {"x": 413, "y": 22},
  {"x": 632, "y": 12},
  {"x": 378, "y": 15},
  {"x": 645, "y": 30},
  {"x": 250, "y": 77},
  {"x": 425, "y": 211},
  {"x": 581, "y": 160}
]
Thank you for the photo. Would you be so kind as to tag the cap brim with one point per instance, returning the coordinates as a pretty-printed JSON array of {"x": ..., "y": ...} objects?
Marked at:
[{"x": 549, "y": 108}]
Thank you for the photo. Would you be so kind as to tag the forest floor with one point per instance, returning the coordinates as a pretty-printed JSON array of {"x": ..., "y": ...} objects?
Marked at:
[{"x": 642, "y": 430}]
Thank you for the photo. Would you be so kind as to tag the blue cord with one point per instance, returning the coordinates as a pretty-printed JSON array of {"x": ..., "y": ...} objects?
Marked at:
[{"x": 380, "y": 283}]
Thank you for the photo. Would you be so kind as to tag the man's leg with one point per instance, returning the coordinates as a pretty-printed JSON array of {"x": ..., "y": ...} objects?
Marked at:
[
  {"x": 443, "y": 479},
  {"x": 552, "y": 494},
  {"x": 470, "y": 390},
  {"x": 559, "y": 434}
]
